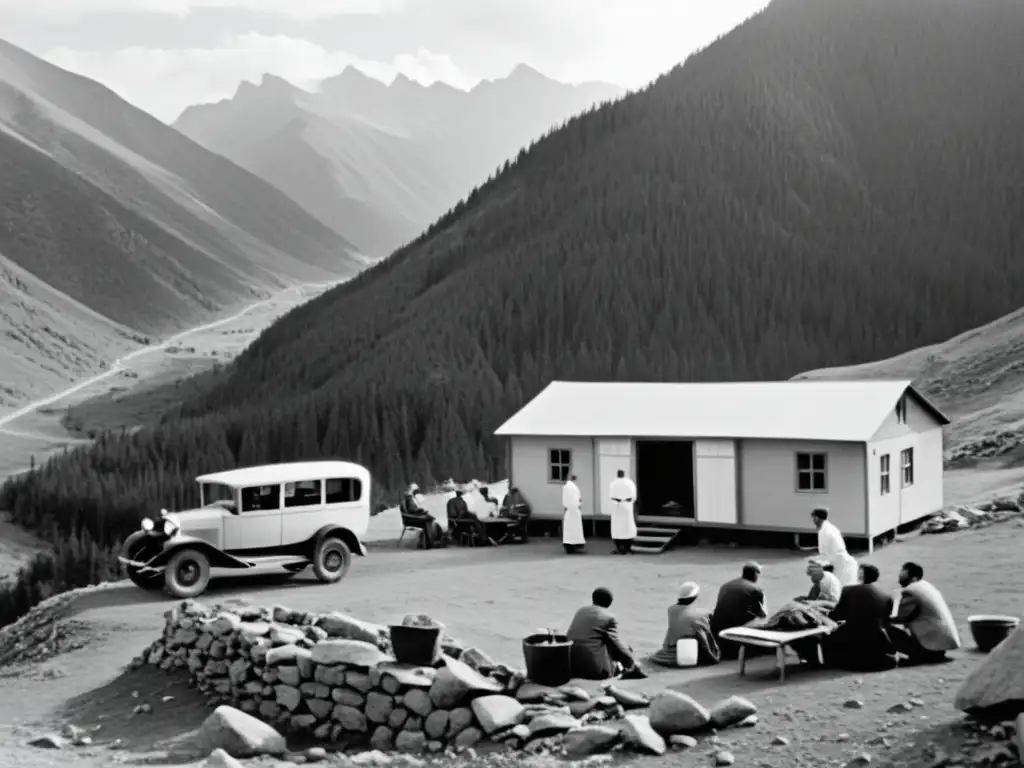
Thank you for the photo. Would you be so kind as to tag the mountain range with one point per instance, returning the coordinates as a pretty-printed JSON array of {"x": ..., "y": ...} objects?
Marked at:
[
  {"x": 379, "y": 162},
  {"x": 831, "y": 183},
  {"x": 115, "y": 227}
]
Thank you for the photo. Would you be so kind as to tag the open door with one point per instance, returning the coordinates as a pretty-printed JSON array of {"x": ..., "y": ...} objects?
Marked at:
[{"x": 716, "y": 482}]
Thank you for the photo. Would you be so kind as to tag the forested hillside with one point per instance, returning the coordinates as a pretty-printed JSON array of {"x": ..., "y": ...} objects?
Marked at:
[{"x": 831, "y": 183}]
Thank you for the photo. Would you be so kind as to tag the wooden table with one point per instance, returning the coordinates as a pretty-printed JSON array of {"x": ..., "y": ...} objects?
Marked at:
[{"x": 775, "y": 639}]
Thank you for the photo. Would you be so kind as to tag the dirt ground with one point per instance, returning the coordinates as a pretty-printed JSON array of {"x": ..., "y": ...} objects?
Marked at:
[{"x": 489, "y": 598}]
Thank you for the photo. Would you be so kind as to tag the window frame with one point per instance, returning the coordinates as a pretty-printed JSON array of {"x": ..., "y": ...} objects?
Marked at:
[
  {"x": 564, "y": 466},
  {"x": 355, "y": 483},
  {"x": 901, "y": 410},
  {"x": 810, "y": 472},
  {"x": 307, "y": 504},
  {"x": 907, "y": 467},
  {"x": 885, "y": 474},
  {"x": 241, "y": 498}
]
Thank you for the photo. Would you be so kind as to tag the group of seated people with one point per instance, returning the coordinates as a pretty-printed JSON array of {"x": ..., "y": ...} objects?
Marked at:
[
  {"x": 513, "y": 509},
  {"x": 868, "y": 634}
]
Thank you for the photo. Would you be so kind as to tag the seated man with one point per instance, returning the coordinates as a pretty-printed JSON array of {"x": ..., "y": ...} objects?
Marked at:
[
  {"x": 861, "y": 643},
  {"x": 597, "y": 651},
  {"x": 740, "y": 602},
  {"x": 415, "y": 516},
  {"x": 490, "y": 505},
  {"x": 514, "y": 505},
  {"x": 459, "y": 515},
  {"x": 686, "y": 622},
  {"x": 927, "y": 630},
  {"x": 825, "y": 586}
]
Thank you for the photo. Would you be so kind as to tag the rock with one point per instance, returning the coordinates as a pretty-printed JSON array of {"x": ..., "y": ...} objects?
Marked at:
[
  {"x": 285, "y": 654},
  {"x": 1018, "y": 736},
  {"x": 900, "y": 708},
  {"x": 288, "y": 696},
  {"x": 497, "y": 712},
  {"x": 411, "y": 741},
  {"x": 780, "y": 741},
  {"x": 348, "y": 697},
  {"x": 724, "y": 758},
  {"x": 455, "y": 681},
  {"x": 378, "y": 707},
  {"x": 224, "y": 624},
  {"x": 48, "y": 741},
  {"x": 747, "y": 722},
  {"x": 580, "y": 708},
  {"x": 673, "y": 712},
  {"x": 418, "y": 701},
  {"x": 238, "y": 734},
  {"x": 998, "y": 680},
  {"x": 315, "y": 754},
  {"x": 320, "y": 708},
  {"x": 590, "y": 740},
  {"x": 341, "y": 625},
  {"x": 574, "y": 692},
  {"x": 459, "y": 719},
  {"x": 351, "y": 653},
  {"x": 731, "y": 711},
  {"x": 398, "y": 717},
  {"x": 551, "y": 724},
  {"x": 350, "y": 719},
  {"x": 289, "y": 675},
  {"x": 408, "y": 676},
  {"x": 639, "y": 733},
  {"x": 860, "y": 760},
  {"x": 853, "y": 704},
  {"x": 477, "y": 659},
  {"x": 382, "y": 739},
  {"x": 436, "y": 724},
  {"x": 530, "y": 692},
  {"x": 682, "y": 741},
  {"x": 221, "y": 759},
  {"x": 468, "y": 738},
  {"x": 286, "y": 635},
  {"x": 628, "y": 699}
]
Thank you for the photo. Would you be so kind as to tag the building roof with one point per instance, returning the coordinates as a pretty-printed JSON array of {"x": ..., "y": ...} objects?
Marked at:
[
  {"x": 272, "y": 474},
  {"x": 782, "y": 410}
]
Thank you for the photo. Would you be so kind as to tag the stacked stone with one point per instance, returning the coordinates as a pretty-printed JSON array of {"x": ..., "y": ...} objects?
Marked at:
[{"x": 332, "y": 677}]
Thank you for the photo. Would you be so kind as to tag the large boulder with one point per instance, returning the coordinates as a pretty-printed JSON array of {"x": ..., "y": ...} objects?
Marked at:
[
  {"x": 731, "y": 711},
  {"x": 238, "y": 734},
  {"x": 638, "y": 733},
  {"x": 673, "y": 712},
  {"x": 455, "y": 681},
  {"x": 351, "y": 653},
  {"x": 340, "y": 625},
  {"x": 496, "y": 712},
  {"x": 997, "y": 684}
]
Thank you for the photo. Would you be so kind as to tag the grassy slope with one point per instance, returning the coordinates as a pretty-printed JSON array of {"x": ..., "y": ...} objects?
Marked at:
[
  {"x": 113, "y": 225},
  {"x": 977, "y": 378}
]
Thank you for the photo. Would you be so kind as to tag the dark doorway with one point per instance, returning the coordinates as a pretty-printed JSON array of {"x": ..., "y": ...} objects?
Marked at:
[{"x": 664, "y": 478}]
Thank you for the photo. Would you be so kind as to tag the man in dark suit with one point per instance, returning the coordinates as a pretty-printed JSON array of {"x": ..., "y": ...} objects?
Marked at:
[
  {"x": 597, "y": 651},
  {"x": 459, "y": 515},
  {"x": 861, "y": 643},
  {"x": 927, "y": 629},
  {"x": 740, "y": 601}
]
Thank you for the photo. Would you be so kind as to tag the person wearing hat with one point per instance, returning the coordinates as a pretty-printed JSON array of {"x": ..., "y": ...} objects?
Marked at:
[
  {"x": 687, "y": 622},
  {"x": 825, "y": 586},
  {"x": 415, "y": 516}
]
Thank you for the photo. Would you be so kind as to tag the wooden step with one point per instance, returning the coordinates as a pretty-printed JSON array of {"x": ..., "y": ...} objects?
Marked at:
[
  {"x": 643, "y": 549},
  {"x": 650, "y": 530},
  {"x": 645, "y": 540}
]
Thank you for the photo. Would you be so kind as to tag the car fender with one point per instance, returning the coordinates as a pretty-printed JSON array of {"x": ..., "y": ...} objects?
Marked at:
[
  {"x": 132, "y": 540},
  {"x": 342, "y": 533},
  {"x": 218, "y": 558}
]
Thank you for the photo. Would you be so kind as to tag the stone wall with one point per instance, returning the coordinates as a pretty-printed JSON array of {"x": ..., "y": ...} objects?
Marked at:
[{"x": 331, "y": 677}]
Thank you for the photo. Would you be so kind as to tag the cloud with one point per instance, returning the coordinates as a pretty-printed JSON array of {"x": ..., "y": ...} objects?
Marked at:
[
  {"x": 304, "y": 10},
  {"x": 164, "y": 82}
]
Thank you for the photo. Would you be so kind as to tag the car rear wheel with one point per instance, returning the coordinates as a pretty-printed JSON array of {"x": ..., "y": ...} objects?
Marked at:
[
  {"x": 187, "y": 573},
  {"x": 141, "y": 552},
  {"x": 331, "y": 560}
]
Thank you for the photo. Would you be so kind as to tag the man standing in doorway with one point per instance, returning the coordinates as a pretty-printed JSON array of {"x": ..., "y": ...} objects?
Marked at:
[
  {"x": 572, "y": 517},
  {"x": 623, "y": 494},
  {"x": 832, "y": 548}
]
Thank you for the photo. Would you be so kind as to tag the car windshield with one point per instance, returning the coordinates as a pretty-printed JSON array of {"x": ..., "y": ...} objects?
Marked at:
[{"x": 216, "y": 494}]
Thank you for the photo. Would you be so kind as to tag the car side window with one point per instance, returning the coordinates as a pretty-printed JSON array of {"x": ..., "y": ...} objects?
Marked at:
[
  {"x": 261, "y": 498},
  {"x": 343, "y": 489},
  {"x": 304, "y": 493}
]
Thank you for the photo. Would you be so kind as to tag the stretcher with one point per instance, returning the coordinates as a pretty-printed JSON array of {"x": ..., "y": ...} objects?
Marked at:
[{"x": 775, "y": 639}]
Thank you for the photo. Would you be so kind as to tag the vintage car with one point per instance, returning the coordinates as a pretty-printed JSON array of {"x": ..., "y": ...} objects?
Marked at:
[{"x": 278, "y": 516}]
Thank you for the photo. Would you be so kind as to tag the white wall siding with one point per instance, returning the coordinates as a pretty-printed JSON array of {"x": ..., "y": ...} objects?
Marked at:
[
  {"x": 769, "y": 492},
  {"x": 530, "y": 473},
  {"x": 612, "y": 454},
  {"x": 905, "y": 504},
  {"x": 715, "y": 478}
]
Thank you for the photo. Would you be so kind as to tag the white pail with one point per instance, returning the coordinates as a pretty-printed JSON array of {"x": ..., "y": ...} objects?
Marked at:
[{"x": 686, "y": 652}]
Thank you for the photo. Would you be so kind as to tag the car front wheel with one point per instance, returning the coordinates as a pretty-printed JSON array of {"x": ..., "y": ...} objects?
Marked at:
[
  {"x": 331, "y": 560},
  {"x": 187, "y": 573}
]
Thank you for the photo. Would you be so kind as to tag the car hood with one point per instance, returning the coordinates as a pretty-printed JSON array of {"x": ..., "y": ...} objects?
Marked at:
[{"x": 198, "y": 519}]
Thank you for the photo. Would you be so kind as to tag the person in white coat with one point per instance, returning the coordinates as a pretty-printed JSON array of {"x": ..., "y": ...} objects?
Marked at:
[
  {"x": 572, "y": 517},
  {"x": 832, "y": 548},
  {"x": 623, "y": 495}
]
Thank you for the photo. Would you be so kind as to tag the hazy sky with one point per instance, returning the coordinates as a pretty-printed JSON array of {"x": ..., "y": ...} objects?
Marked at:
[{"x": 163, "y": 55}]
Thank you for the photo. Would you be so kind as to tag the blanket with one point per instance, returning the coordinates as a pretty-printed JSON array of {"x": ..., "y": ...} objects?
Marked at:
[{"x": 796, "y": 616}]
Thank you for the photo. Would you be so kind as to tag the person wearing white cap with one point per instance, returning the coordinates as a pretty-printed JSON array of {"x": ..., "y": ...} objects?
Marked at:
[
  {"x": 825, "y": 587},
  {"x": 687, "y": 622}
]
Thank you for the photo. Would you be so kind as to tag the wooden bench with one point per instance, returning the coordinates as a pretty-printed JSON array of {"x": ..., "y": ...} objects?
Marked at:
[{"x": 774, "y": 639}]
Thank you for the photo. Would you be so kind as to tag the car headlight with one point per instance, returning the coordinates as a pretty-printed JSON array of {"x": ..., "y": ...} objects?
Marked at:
[
  {"x": 170, "y": 526},
  {"x": 147, "y": 524}
]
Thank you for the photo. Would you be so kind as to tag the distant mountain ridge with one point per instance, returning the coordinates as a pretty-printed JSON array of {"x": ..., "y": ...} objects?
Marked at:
[
  {"x": 378, "y": 162},
  {"x": 121, "y": 215}
]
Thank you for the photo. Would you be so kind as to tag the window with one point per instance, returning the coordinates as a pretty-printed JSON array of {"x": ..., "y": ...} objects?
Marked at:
[
  {"x": 261, "y": 498},
  {"x": 341, "y": 490},
  {"x": 901, "y": 410},
  {"x": 907, "y": 465},
  {"x": 812, "y": 472},
  {"x": 215, "y": 493},
  {"x": 883, "y": 475},
  {"x": 305, "y": 493},
  {"x": 559, "y": 465}
]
